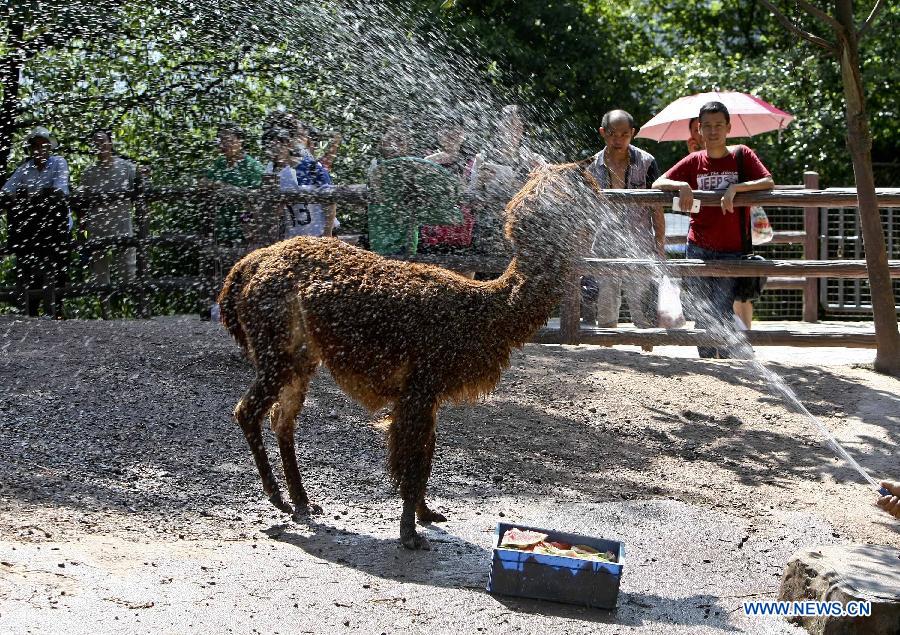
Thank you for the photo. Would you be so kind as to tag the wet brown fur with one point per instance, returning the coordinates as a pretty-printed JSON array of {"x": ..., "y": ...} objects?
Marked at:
[{"x": 392, "y": 332}]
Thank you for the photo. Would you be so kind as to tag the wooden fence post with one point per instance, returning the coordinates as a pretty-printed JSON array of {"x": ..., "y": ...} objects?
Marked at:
[
  {"x": 570, "y": 309},
  {"x": 811, "y": 251},
  {"x": 142, "y": 261},
  {"x": 209, "y": 263}
]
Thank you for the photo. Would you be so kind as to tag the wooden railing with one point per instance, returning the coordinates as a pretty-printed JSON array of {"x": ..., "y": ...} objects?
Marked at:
[{"x": 784, "y": 273}]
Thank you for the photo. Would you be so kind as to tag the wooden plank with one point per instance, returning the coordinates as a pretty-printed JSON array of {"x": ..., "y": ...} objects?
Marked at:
[
  {"x": 789, "y": 238},
  {"x": 190, "y": 283},
  {"x": 811, "y": 251},
  {"x": 778, "y": 238},
  {"x": 161, "y": 240},
  {"x": 694, "y": 337},
  {"x": 786, "y": 283},
  {"x": 358, "y": 194},
  {"x": 835, "y": 197},
  {"x": 142, "y": 264},
  {"x": 735, "y": 268}
]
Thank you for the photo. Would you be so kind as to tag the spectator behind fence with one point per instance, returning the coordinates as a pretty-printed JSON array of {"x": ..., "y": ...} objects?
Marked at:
[
  {"x": 497, "y": 174},
  {"x": 313, "y": 172},
  {"x": 297, "y": 170},
  {"x": 237, "y": 169},
  {"x": 308, "y": 219},
  {"x": 395, "y": 142},
  {"x": 715, "y": 232},
  {"x": 114, "y": 177},
  {"x": 39, "y": 223},
  {"x": 742, "y": 309},
  {"x": 695, "y": 140},
  {"x": 268, "y": 223},
  {"x": 313, "y": 135},
  {"x": 453, "y": 156},
  {"x": 305, "y": 136},
  {"x": 387, "y": 232},
  {"x": 642, "y": 229}
]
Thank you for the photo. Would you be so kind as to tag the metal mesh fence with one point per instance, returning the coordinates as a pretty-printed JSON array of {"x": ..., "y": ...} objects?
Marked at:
[
  {"x": 852, "y": 299},
  {"x": 781, "y": 304}
]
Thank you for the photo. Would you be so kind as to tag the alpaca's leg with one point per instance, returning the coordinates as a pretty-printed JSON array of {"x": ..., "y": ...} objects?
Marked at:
[
  {"x": 423, "y": 513},
  {"x": 410, "y": 437},
  {"x": 249, "y": 413},
  {"x": 284, "y": 419}
]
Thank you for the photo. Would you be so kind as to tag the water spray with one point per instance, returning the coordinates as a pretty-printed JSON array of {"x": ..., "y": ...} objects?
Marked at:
[{"x": 792, "y": 399}]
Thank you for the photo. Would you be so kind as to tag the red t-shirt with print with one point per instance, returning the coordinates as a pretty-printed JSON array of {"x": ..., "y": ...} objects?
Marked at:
[{"x": 710, "y": 228}]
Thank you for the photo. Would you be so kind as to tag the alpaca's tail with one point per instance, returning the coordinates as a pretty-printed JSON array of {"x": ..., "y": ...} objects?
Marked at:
[{"x": 228, "y": 304}]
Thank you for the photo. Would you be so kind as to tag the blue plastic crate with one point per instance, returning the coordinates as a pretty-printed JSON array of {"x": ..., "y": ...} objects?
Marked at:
[{"x": 557, "y": 578}]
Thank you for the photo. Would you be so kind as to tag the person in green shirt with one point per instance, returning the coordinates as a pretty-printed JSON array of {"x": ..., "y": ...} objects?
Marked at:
[{"x": 237, "y": 169}]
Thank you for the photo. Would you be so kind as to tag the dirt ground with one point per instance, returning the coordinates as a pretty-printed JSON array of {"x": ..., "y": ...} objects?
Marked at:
[{"x": 129, "y": 502}]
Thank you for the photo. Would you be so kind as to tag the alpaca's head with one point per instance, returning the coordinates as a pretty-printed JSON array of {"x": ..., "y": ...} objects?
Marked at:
[{"x": 555, "y": 214}]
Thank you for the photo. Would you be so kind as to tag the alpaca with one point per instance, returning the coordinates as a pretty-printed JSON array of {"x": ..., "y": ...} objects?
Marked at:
[{"x": 399, "y": 333}]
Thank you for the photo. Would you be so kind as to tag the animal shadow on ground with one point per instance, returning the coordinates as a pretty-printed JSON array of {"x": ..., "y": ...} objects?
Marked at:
[{"x": 453, "y": 561}]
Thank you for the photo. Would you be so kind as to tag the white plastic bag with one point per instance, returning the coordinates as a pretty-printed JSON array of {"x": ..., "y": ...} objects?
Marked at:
[
  {"x": 669, "y": 313},
  {"x": 760, "y": 227}
]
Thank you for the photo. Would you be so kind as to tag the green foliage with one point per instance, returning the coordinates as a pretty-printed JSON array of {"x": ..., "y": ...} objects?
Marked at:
[
  {"x": 802, "y": 80},
  {"x": 586, "y": 57},
  {"x": 163, "y": 75}
]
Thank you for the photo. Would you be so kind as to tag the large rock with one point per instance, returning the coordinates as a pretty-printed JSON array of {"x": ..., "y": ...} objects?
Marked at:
[{"x": 846, "y": 573}]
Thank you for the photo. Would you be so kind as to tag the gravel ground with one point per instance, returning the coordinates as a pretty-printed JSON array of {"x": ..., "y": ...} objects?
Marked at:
[{"x": 129, "y": 501}]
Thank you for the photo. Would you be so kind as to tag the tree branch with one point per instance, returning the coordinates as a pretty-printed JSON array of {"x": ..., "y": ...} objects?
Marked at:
[
  {"x": 865, "y": 26},
  {"x": 134, "y": 100},
  {"x": 790, "y": 26},
  {"x": 815, "y": 11},
  {"x": 31, "y": 47}
]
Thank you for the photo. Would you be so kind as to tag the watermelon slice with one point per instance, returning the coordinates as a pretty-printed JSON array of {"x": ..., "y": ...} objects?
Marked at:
[
  {"x": 564, "y": 546},
  {"x": 535, "y": 541},
  {"x": 516, "y": 538},
  {"x": 585, "y": 550},
  {"x": 551, "y": 549}
]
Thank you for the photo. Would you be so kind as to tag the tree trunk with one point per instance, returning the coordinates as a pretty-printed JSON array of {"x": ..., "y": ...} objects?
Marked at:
[
  {"x": 10, "y": 70},
  {"x": 859, "y": 142}
]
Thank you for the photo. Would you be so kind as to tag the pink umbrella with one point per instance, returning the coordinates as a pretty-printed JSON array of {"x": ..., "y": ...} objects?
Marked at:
[{"x": 749, "y": 116}]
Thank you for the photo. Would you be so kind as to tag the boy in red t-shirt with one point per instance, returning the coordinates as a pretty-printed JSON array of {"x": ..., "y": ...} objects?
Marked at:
[{"x": 715, "y": 232}]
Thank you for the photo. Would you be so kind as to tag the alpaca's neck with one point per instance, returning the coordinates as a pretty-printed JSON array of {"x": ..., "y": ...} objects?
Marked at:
[{"x": 531, "y": 291}]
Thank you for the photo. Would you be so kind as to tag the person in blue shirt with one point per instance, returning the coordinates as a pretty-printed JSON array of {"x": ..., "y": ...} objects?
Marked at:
[
  {"x": 42, "y": 170},
  {"x": 39, "y": 223},
  {"x": 306, "y": 219}
]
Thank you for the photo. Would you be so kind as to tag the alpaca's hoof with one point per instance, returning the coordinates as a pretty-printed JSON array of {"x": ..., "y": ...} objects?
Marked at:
[
  {"x": 303, "y": 512},
  {"x": 416, "y": 542},
  {"x": 430, "y": 516},
  {"x": 276, "y": 500}
]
